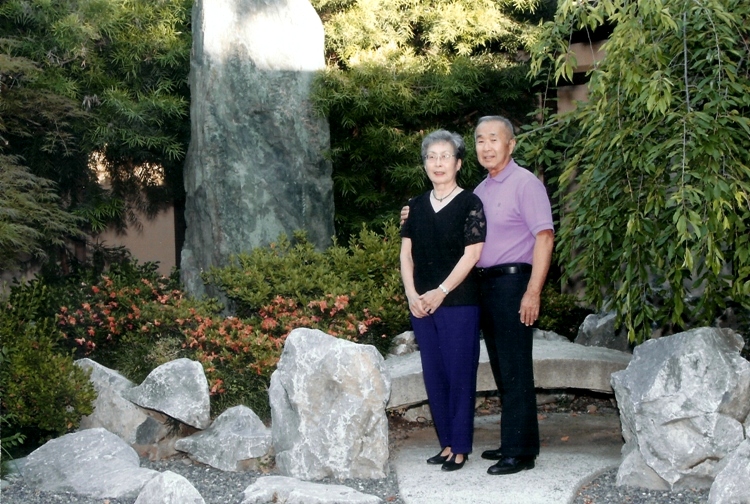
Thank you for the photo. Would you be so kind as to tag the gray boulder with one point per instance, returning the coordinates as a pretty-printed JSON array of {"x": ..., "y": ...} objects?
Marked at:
[
  {"x": 731, "y": 484},
  {"x": 420, "y": 413},
  {"x": 178, "y": 389},
  {"x": 328, "y": 400},
  {"x": 111, "y": 410},
  {"x": 154, "y": 430},
  {"x": 598, "y": 329},
  {"x": 93, "y": 462},
  {"x": 256, "y": 165},
  {"x": 404, "y": 343},
  {"x": 235, "y": 438},
  {"x": 549, "y": 336},
  {"x": 285, "y": 490},
  {"x": 169, "y": 488},
  {"x": 157, "y": 436},
  {"x": 682, "y": 400}
]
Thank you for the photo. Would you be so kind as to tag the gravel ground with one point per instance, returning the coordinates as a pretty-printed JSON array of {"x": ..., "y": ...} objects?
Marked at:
[
  {"x": 215, "y": 486},
  {"x": 604, "y": 491},
  {"x": 218, "y": 487}
]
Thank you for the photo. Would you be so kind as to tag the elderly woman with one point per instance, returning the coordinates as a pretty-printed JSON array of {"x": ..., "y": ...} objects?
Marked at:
[{"x": 441, "y": 243}]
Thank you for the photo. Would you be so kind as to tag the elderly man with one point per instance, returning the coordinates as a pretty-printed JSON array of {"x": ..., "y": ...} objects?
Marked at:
[{"x": 512, "y": 268}]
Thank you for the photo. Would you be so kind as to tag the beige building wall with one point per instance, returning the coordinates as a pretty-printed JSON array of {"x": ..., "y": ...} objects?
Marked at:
[
  {"x": 155, "y": 241},
  {"x": 586, "y": 56},
  {"x": 567, "y": 96}
]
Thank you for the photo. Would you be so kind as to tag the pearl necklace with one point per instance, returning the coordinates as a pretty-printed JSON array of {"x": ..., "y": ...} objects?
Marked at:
[{"x": 440, "y": 200}]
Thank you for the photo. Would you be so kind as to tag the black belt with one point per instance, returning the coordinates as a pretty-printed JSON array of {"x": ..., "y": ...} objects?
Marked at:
[{"x": 504, "y": 269}]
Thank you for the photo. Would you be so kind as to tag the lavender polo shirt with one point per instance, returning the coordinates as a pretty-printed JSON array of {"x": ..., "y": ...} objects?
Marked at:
[{"x": 517, "y": 208}]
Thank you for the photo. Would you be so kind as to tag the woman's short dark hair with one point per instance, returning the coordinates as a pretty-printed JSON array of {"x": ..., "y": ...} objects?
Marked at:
[{"x": 459, "y": 147}]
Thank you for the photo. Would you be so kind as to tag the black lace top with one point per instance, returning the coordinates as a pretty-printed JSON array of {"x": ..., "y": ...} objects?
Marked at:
[{"x": 438, "y": 242}]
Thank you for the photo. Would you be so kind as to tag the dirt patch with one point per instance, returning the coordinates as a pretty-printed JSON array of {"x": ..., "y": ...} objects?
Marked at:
[{"x": 552, "y": 401}]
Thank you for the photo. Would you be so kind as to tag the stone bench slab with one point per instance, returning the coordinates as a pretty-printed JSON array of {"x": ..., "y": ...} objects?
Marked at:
[{"x": 557, "y": 365}]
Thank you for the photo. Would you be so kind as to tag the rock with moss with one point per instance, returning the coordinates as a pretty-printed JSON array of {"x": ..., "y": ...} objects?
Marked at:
[{"x": 256, "y": 165}]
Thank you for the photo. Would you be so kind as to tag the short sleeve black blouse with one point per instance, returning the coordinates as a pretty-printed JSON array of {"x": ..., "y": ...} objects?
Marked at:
[{"x": 438, "y": 242}]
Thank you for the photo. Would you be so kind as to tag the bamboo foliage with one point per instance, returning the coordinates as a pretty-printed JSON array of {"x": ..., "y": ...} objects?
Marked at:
[
  {"x": 654, "y": 183},
  {"x": 105, "y": 76}
]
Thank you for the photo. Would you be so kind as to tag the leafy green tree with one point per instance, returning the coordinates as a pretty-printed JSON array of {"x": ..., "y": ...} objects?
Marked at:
[
  {"x": 655, "y": 177},
  {"x": 31, "y": 219},
  {"x": 398, "y": 69},
  {"x": 110, "y": 77},
  {"x": 98, "y": 76}
]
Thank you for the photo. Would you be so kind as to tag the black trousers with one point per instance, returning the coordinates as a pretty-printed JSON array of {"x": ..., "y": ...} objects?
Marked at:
[{"x": 509, "y": 344}]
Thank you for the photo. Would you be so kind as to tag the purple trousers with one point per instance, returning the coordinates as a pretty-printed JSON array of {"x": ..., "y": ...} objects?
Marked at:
[{"x": 449, "y": 346}]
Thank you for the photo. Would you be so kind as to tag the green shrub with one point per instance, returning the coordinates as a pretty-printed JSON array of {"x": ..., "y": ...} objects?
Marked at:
[
  {"x": 44, "y": 394},
  {"x": 561, "y": 313},
  {"x": 11, "y": 442},
  {"x": 306, "y": 284}
]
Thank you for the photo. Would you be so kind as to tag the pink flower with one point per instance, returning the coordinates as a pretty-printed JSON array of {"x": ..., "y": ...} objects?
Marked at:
[{"x": 269, "y": 323}]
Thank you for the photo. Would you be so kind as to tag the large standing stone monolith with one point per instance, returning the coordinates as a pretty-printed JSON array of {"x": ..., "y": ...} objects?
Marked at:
[{"x": 255, "y": 167}]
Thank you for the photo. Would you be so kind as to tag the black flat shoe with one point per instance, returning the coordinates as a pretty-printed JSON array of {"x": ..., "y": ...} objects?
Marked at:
[
  {"x": 492, "y": 454},
  {"x": 438, "y": 459},
  {"x": 511, "y": 465},
  {"x": 452, "y": 465}
]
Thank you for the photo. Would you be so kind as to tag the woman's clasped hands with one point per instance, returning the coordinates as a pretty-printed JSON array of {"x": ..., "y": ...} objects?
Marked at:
[{"x": 426, "y": 304}]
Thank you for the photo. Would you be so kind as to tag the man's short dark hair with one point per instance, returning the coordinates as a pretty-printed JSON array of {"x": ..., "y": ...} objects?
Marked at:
[{"x": 501, "y": 119}]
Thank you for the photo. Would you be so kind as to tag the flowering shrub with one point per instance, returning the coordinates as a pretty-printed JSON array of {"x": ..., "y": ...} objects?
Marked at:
[
  {"x": 134, "y": 323},
  {"x": 330, "y": 315},
  {"x": 239, "y": 355},
  {"x": 118, "y": 322},
  {"x": 352, "y": 292},
  {"x": 237, "y": 358}
]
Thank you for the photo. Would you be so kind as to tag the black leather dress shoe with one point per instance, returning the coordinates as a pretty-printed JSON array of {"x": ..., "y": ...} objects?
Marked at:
[
  {"x": 511, "y": 465},
  {"x": 492, "y": 454},
  {"x": 452, "y": 465},
  {"x": 437, "y": 459}
]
